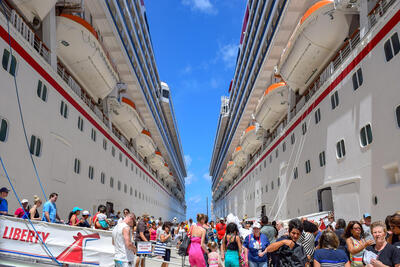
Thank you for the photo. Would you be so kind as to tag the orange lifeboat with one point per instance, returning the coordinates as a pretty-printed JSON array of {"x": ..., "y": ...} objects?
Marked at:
[
  {"x": 164, "y": 171},
  {"x": 239, "y": 157},
  {"x": 272, "y": 105},
  {"x": 80, "y": 50},
  {"x": 231, "y": 171},
  {"x": 145, "y": 144},
  {"x": 156, "y": 161},
  {"x": 252, "y": 139},
  {"x": 125, "y": 116},
  {"x": 319, "y": 34}
]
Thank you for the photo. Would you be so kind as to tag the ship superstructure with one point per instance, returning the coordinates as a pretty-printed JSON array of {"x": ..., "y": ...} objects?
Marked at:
[
  {"x": 93, "y": 106},
  {"x": 314, "y": 112}
]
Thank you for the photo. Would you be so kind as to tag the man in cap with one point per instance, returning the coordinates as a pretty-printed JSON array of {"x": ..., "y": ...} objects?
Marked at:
[
  {"x": 85, "y": 222},
  {"x": 24, "y": 211},
  {"x": 366, "y": 226},
  {"x": 142, "y": 235},
  {"x": 3, "y": 201},
  {"x": 221, "y": 228}
]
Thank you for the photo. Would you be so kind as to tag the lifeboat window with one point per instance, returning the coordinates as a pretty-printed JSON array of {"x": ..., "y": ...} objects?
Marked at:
[
  {"x": 111, "y": 182},
  {"x": 284, "y": 146},
  {"x": 64, "y": 109},
  {"x": 104, "y": 144},
  {"x": 113, "y": 151},
  {"x": 7, "y": 65},
  {"x": 93, "y": 135},
  {"x": 391, "y": 47},
  {"x": 77, "y": 166},
  {"x": 103, "y": 178},
  {"x": 357, "y": 79},
  {"x": 80, "y": 123},
  {"x": 340, "y": 149},
  {"x": 292, "y": 138},
  {"x": 308, "y": 166},
  {"x": 35, "y": 146},
  {"x": 366, "y": 135},
  {"x": 398, "y": 115},
  {"x": 91, "y": 172},
  {"x": 317, "y": 116},
  {"x": 3, "y": 130},
  {"x": 322, "y": 161},
  {"x": 304, "y": 128},
  {"x": 295, "y": 173},
  {"x": 42, "y": 91},
  {"x": 335, "y": 99}
]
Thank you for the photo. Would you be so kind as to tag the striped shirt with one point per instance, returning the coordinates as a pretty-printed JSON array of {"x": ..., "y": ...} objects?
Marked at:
[
  {"x": 331, "y": 257},
  {"x": 307, "y": 241}
]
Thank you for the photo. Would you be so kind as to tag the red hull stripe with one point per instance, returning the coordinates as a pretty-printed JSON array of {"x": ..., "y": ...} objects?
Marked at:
[
  {"x": 367, "y": 49},
  {"x": 35, "y": 65}
]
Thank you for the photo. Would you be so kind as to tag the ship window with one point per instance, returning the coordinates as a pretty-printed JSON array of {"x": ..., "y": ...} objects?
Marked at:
[
  {"x": 41, "y": 91},
  {"x": 335, "y": 99},
  {"x": 272, "y": 185},
  {"x": 113, "y": 151},
  {"x": 322, "y": 161},
  {"x": 398, "y": 115},
  {"x": 93, "y": 135},
  {"x": 317, "y": 116},
  {"x": 111, "y": 182},
  {"x": 135, "y": 193},
  {"x": 279, "y": 181},
  {"x": 308, "y": 166},
  {"x": 125, "y": 188},
  {"x": 340, "y": 149},
  {"x": 64, "y": 109},
  {"x": 292, "y": 138},
  {"x": 165, "y": 93},
  {"x": 104, "y": 144},
  {"x": 91, "y": 172},
  {"x": 304, "y": 128},
  {"x": 366, "y": 135},
  {"x": 131, "y": 191},
  {"x": 3, "y": 130},
  {"x": 265, "y": 162},
  {"x": 126, "y": 162},
  {"x": 103, "y": 178},
  {"x": 295, "y": 173},
  {"x": 35, "y": 146},
  {"x": 357, "y": 79},
  {"x": 120, "y": 157},
  {"x": 132, "y": 167},
  {"x": 77, "y": 166},
  {"x": 284, "y": 146},
  {"x": 270, "y": 158},
  {"x": 7, "y": 65},
  {"x": 80, "y": 123},
  {"x": 276, "y": 153},
  {"x": 119, "y": 185},
  {"x": 391, "y": 47}
]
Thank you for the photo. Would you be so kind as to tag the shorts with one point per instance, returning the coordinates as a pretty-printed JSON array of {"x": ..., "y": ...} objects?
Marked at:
[
  {"x": 232, "y": 258},
  {"x": 123, "y": 264},
  {"x": 167, "y": 256}
]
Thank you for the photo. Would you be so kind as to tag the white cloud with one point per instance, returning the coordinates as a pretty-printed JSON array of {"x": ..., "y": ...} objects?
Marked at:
[
  {"x": 195, "y": 199},
  {"x": 190, "y": 178},
  {"x": 228, "y": 54},
  {"x": 201, "y": 5},
  {"x": 207, "y": 176},
  {"x": 187, "y": 69},
  {"x": 188, "y": 160}
]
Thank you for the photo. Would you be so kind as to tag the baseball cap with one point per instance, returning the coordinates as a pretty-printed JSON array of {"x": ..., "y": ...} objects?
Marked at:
[
  {"x": 257, "y": 225},
  {"x": 85, "y": 212},
  {"x": 24, "y": 201},
  {"x": 366, "y": 215},
  {"x": 76, "y": 209},
  {"x": 4, "y": 189},
  {"x": 221, "y": 219}
]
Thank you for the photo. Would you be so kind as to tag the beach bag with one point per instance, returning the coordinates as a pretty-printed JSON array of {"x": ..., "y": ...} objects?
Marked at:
[
  {"x": 160, "y": 248},
  {"x": 295, "y": 257}
]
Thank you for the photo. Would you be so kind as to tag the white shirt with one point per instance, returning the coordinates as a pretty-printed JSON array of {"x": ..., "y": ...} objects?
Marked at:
[
  {"x": 121, "y": 252},
  {"x": 158, "y": 232}
]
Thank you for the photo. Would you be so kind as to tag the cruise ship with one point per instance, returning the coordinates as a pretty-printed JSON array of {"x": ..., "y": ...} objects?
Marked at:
[
  {"x": 311, "y": 121},
  {"x": 83, "y": 111}
]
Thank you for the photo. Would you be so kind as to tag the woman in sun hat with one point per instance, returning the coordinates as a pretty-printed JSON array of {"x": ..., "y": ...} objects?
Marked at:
[{"x": 73, "y": 216}]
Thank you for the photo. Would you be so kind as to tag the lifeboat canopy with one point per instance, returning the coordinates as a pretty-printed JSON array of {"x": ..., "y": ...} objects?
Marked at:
[
  {"x": 239, "y": 157},
  {"x": 145, "y": 144},
  {"x": 252, "y": 139},
  {"x": 318, "y": 35}
]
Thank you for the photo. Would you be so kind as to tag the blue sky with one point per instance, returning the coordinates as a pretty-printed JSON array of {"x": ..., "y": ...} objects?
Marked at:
[{"x": 195, "y": 43}]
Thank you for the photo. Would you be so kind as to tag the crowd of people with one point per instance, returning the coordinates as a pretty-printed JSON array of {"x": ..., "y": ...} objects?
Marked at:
[{"x": 232, "y": 243}]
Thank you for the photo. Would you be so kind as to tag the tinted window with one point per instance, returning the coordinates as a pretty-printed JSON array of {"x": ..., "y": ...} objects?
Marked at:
[
  {"x": 41, "y": 91},
  {"x": 3, "y": 130},
  {"x": 395, "y": 43},
  {"x": 398, "y": 116},
  {"x": 366, "y": 135},
  {"x": 35, "y": 146}
]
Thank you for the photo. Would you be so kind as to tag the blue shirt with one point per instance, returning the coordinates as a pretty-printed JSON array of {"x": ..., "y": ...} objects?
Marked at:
[
  {"x": 51, "y": 208},
  {"x": 331, "y": 257},
  {"x": 255, "y": 245},
  {"x": 3, "y": 205}
]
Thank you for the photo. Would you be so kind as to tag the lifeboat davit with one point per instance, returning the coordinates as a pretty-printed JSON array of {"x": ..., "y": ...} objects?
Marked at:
[
  {"x": 252, "y": 139},
  {"x": 35, "y": 8},
  {"x": 239, "y": 157},
  {"x": 156, "y": 160},
  {"x": 125, "y": 115},
  {"x": 231, "y": 171},
  {"x": 79, "y": 48},
  {"x": 144, "y": 144},
  {"x": 272, "y": 105},
  {"x": 319, "y": 34}
]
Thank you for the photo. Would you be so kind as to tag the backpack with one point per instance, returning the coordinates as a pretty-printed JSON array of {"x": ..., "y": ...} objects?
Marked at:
[
  {"x": 209, "y": 235},
  {"x": 183, "y": 249},
  {"x": 295, "y": 257}
]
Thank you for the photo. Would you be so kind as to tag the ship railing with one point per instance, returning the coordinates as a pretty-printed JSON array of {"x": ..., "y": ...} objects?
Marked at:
[
  {"x": 379, "y": 10},
  {"x": 25, "y": 30}
]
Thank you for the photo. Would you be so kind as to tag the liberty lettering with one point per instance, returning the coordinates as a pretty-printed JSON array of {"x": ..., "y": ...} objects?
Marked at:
[
  {"x": 17, "y": 234},
  {"x": 24, "y": 235}
]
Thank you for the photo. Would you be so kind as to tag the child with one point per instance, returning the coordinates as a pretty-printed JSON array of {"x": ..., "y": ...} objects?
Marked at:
[
  {"x": 213, "y": 257},
  {"x": 102, "y": 218}
]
